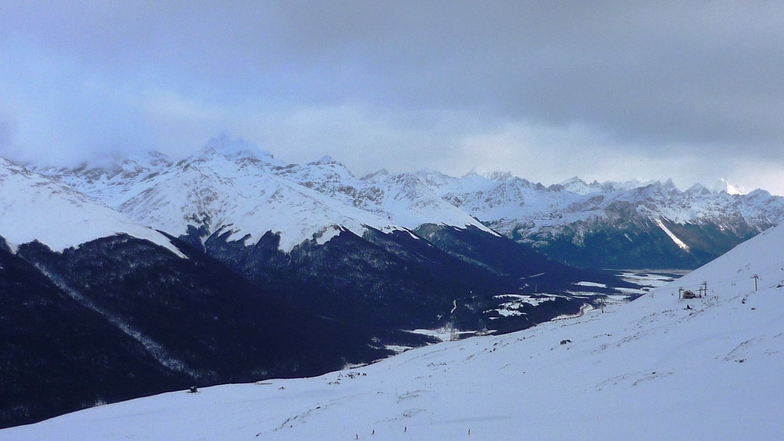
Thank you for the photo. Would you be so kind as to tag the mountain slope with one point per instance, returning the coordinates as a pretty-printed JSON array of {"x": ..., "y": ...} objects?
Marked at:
[
  {"x": 314, "y": 235},
  {"x": 233, "y": 186},
  {"x": 36, "y": 208},
  {"x": 225, "y": 188},
  {"x": 657, "y": 368},
  {"x": 402, "y": 198},
  {"x": 140, "y": 320},
  {"x": 613, "y": 225},
  {"x": 399, "y": 280},
  {"x": 97, "y": 308},
  {"x": 57, "y": 355}
]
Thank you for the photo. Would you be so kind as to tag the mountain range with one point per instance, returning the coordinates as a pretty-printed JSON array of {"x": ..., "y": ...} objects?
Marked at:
[
  {"x": 598, "y": 225},
  {"x": 664, "y": 366},
  {"x": 150, "y": 276},
  {"x": 145, "y": 274}
]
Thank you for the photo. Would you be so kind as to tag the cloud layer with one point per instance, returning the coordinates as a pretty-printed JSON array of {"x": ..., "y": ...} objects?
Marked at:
[{"x": 547, "y": 90}]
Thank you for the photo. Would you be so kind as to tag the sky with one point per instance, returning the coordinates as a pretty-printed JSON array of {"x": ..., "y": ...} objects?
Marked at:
[{"x": 604, "y": 90}]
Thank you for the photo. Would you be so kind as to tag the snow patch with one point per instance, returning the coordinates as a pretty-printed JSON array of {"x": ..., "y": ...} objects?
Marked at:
[
  {"x": 672, "y": 236},
  {"x": 592, "y": 284},
  {"x": 327, "y": 234}
]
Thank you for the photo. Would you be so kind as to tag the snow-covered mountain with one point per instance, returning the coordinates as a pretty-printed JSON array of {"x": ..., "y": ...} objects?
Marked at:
[
  {"x": 232, "y": 186},
  {"x": 272, "y": 250},
  {"x": 229, "y": 187},
  {"x": 660, "y": 367},
  {"x": 385, "y": 249},
  {"x": 229, "y": 184},
  {"x": 36, "y": 208},
  {"x": 613, "y": 225}
]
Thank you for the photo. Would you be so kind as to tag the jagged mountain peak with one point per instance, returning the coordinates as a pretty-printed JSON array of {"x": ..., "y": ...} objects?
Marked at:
[
  {"x": 575, "y": 180},
  {"x": 473, "y": 174},
  {"x": 248, "y": 201},
  {"x": 657, "y": 187},
  {"x": 471, "y": 181},
  {"x": 576, "y": 185},
  {"x": 629, "y": 185},
  {"x": 499, "y": 176},
  {"x": 326, "y": 159},
  {"x": 435, "y": 178},
  {"x": 237, "y": 149},
  {"x": 330, "y": 165},
  {"x": 376, "y": 176},
  {"x": 579, "y": 186},
  {"x": 528, "y": 212},
  {"x": 698, "y": 190},
  {"x": 722, "y": 185},
  {"x": 150, "y": 159},
  {"x": 109, "y": 168}
]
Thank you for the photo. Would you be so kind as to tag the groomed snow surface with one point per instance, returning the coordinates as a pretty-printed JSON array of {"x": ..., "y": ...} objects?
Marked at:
[{"x": 658, "y": 368}]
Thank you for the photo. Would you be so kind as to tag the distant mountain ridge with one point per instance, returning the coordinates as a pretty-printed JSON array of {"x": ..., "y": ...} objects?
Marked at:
[
  {"x": 601, "y": 225},
  {"x": 226, "y": 184},
  {"x": 617, "y": 225}
]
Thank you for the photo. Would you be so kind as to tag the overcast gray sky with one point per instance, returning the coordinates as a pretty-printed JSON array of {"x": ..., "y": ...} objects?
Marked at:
[{"x": 606, "y": 90}]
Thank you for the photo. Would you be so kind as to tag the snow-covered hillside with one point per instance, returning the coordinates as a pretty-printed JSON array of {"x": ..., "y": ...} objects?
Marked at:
[
  {"x": 33, "y": 207},
  {"x": 656, "y": 368},
  {"x": 233, "y": 186}
]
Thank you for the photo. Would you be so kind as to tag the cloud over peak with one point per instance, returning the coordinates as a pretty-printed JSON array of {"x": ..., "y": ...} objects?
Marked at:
[{"x": 442, "y": 84}]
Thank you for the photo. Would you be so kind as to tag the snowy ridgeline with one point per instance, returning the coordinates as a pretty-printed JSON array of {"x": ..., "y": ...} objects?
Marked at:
[
  {"x": 33, "y": 207},
  {"x": 657, "y": 368},
  {"x": 226, "y": 185}
]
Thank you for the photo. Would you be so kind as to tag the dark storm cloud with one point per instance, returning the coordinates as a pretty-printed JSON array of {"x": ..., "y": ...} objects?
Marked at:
[
  {"x": 634, "y": 80},
  {"x": 703, "y": 73}
]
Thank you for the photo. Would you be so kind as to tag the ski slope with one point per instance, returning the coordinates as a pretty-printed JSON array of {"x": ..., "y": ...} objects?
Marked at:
[{"x": 656, "y": 368}]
